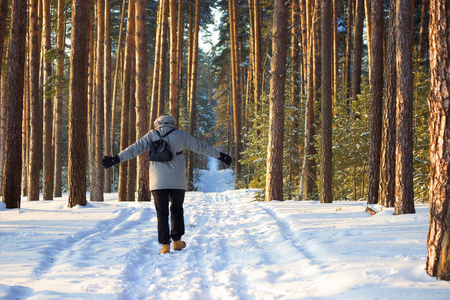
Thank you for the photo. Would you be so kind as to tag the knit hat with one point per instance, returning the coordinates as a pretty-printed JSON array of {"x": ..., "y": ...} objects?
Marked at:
[{"x": 165, "y": 121}]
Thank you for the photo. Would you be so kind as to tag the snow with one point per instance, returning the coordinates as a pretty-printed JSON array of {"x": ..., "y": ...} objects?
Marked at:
[{"x": 237, "y": 248}]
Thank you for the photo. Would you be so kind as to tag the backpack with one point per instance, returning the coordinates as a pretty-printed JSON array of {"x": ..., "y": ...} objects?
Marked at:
[{"x": 160, "y": 149}]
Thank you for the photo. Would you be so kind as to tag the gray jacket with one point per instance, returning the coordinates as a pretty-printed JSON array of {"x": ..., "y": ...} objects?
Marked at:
[{"x": 169, "y": 174}]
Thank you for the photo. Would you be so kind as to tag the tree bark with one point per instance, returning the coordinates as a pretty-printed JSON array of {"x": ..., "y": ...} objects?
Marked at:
[
  {"x": 141, "y": 98},
  {"x": 173, "y": 90},
  {"x": 132, "y": 166},
  {"x": 163, "y": 59},
  {"x": 13, "y": 156},
  {"x": 125, "y": 124},
  {"x": 404, "y": 187},
  {"x": 36, "y": 113},
  {"x": 438, "y": 261},
  {"x": 274, "y": 173},
  {"x": 57, "y": 133},
  {"x": 327, "y": 175},
  {"x": 376, "y": 98},
  {"x": 357, "y": 57},
  {"x": 423, "y": 35},
  {"x": 157, "y": 65},
  {"x": 387, "y": 162},
  {"x": 192, "y": 93},
  {"x": 3, "y": 84},
  {"x": 78, "y": 102},
  {"x": 234, "y": 42},
  {"x": 48, "y": 164},
  {"x": 107, "y": 94},
  {"x": 97, "y": 190}
]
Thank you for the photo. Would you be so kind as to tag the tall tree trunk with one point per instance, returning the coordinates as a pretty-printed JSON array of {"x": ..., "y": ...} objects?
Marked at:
[
  {"x": 141, "y": 98},
  {"x": 13, "y": 156},
  {"x": 179, "y": 54},
  {"x": 125, "y": 124},
  {"x": 376, "y": 98},
  {"x": 357, "y": 57},
  {"x": 132, "y": 166},
  {"x": 163, "y": 57},
  {"x": 107, "y": 94},
  {"x": 36, "y": 112},
  {"x": 257, "y": 69},
  {"x": 348, "y": 54},
  {"x": 91, "y": 104},
  {"x": 295, "y": 93},
  {"x": 48, "y": 165},
  {"x": 157, "y": 64},
  {"x": 367, "y": 4},
  {"x": 116, "y": 76},
  {"x": 173, "y": 86},
  {"x": 423, "y": 28},
  {"x": 192, "y": 93},
  {"x": 81, "y": 10},
  {"x": 387, "y": 162},
  {"x": 274, "y": 173},
  {"x": 326, "y": 50},
  {"x": 97, "y": 190},
  {"x": 57, "y": 126},
  {"x": 308, "y": 176},
  {"x": 3, "y": 112},
  {"x": 335, "y": 52},
  {"x": 438, "y": 261},
  {"x": 404, "y": 187},
  {"x": 235, "y": 87},
  {"x": 3, "y": 14}
]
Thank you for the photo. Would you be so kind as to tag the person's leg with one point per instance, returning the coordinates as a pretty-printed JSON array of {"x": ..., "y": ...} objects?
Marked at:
[
  {"x": 176, "y": 214},
  {"x": 161, "y": 198}
]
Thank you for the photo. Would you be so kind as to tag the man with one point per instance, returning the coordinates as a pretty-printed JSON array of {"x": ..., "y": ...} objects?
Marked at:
[{"x": 168, "y": 178}]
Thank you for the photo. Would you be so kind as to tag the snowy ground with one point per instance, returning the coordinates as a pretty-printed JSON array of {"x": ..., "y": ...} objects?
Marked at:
[{"x": 236, "y": 249}]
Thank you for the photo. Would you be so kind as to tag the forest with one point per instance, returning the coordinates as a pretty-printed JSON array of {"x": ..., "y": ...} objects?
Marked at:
[{"x": 314, "y": 99}]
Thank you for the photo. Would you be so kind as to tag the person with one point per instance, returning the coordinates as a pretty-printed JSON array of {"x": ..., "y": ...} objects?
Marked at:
[{"x": 168, "y": 178}]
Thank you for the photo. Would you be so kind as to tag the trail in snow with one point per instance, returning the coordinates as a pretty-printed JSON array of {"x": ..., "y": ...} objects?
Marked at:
[{"x": 236, "y": 249}]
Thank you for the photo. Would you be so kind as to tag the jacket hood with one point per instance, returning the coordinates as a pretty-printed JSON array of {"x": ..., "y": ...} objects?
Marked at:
[{"x": 165, "y": 121}]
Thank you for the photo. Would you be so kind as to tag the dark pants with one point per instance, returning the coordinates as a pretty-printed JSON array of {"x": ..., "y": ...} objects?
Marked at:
[{"x": 176, "y": 199}]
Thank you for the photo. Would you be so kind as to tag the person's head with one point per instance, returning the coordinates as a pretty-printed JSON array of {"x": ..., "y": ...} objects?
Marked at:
[{"x": 165, "y": 121}]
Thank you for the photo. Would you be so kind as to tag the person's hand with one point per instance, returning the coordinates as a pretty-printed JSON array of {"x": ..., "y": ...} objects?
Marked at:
[
  {"x": 225, "y": 158},
  {"x": 109, "y": 161}
]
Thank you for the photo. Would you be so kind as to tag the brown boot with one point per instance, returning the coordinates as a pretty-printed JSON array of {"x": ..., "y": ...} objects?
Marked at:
[
  {"x": 178, "y": 245},
  {"x": 165, "y": 249}
]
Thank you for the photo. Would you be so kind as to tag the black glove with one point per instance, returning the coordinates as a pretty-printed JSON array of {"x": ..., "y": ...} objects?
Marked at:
[
  {"x": 225, "y": 158},
  {"x": 109, "y": 161}
]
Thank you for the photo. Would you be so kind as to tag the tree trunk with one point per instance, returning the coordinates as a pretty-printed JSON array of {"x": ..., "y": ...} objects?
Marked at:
[
  {"x": 376, "y": 98},
  {"x": 141, "y": 98},
  {"x": 48, "y": 165},
  {"x": 116, "y": 76},
  {"x": 163, "y": 57},
  {"x": 13, "y": 156},
  {"x": 235, "y": 87},
  {"x": 404, "y": 188},
  {"x": 3, "y": 15},
  {"x": 91, "y": 104},
  {"x": 57, "y": 133},
  {"x": 348, "y": 56},
  {"x": 335, "y": 52},
  {"x": 423, "y": 36},
  {"x": 97, "y": 190},
  {"x": 438, "y": 261},
  {"x": 192, "y": 93},
  {"x": 3, "y": 85},
  {"x": 81, "y": 10},
  {"x": 357, "y": 57},
  {"x": 125, "y": 124},
  {"x": 327, "y": 175},
  {"x": 308, "y": 176},
  {"x": 132, "y": 166},
  {"x": 3, "y": 112},
  {"x": 157, "y": 65},
  {"x": 294, "y": 167},
  {"x": 107, "y": 94},
  {"x": 173, "y": 86},
  {"x": 36, "y": 113},
  {"x": 367, "y": 4},
  {"x": 274, "y": 173},
  {"x": 387, "y": 174},
  {"x": 257, "y": 60},
  {"x": 179, "y": 54}
]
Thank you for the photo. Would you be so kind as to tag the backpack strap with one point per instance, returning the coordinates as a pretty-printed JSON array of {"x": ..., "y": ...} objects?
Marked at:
[{"x": 170, "y": 131}]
